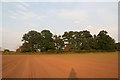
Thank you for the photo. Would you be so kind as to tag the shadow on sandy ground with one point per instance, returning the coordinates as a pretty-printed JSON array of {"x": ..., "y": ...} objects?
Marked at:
[{"x": 72, "y": 75}]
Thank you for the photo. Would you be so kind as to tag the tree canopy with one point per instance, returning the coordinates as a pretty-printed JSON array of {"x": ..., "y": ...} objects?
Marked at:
[{"x": 34, "y": 41}]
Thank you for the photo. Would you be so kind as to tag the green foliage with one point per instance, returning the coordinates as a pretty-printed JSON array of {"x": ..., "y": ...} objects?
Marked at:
[
  {"x": 78, "y": 40},
  {"x": 72, "y": 41},
  {"x": 59, "y": 43},
  {"x": 47, "y": 41},
  {"x": 105, "y": 42},
  {"x": 6, "y": 51},
  {"x": 26, "y": 47},
  {"x": 34, "y": 41},
  {"x": 31, "y": 41},
  {"x": 118, "y": 46}
]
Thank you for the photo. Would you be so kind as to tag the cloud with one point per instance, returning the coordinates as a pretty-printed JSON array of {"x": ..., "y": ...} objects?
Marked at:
[
  {"x": 25, "y": 4},
  {"x": 92, "y": 29},
  {"x": 107, "y": 16},
  {"x": 13, "y": 17},
  {"x": 21, "y": 7},
  {"x": 23, "y": 13},
  {"x": 77, "y": 16},
  {"x": 62, "y": 0},
  {"x": 73, "y": 14},
  {"x": 77, "y": 22},
  {"x": 26, "y": 15}
]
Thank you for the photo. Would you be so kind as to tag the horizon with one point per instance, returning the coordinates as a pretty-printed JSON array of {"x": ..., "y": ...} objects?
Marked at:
[{"x": 58, "y": 17}]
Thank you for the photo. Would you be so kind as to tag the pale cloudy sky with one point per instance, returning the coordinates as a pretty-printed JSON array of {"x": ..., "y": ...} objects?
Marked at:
[{"x": 58, "y": 17}]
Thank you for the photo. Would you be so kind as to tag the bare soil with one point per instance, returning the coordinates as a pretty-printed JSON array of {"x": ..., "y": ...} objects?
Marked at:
[{"x": 85, "y": 65}]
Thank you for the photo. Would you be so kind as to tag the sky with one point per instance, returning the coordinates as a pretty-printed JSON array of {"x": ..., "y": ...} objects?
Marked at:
[{"x": 20, "y": 17}]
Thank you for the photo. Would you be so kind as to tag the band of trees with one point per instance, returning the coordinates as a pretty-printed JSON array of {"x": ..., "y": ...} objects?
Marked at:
[{"x": 43, "y": 41}]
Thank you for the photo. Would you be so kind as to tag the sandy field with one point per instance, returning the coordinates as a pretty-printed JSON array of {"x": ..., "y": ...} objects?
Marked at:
[{"x": 84, "y": 65}]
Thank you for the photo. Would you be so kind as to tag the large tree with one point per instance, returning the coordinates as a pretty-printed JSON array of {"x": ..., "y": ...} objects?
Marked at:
[
  {"x": 32, "y": 40},
  {"x": 47, "y": 41},
  {"x": 78, "y": 40},
  {"x": 105, "y": 42},
  {"x": 86, "y": 40},
  {"x": 72, "y": 40},
  {"x": 69, "y": 40}
]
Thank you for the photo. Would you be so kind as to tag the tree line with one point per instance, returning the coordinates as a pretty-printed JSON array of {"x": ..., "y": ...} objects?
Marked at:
[{"x": 44, "y": 41}]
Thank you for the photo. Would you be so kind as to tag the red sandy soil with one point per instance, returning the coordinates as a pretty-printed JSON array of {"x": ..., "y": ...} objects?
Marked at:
[{"x": 85, "y": 65}]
